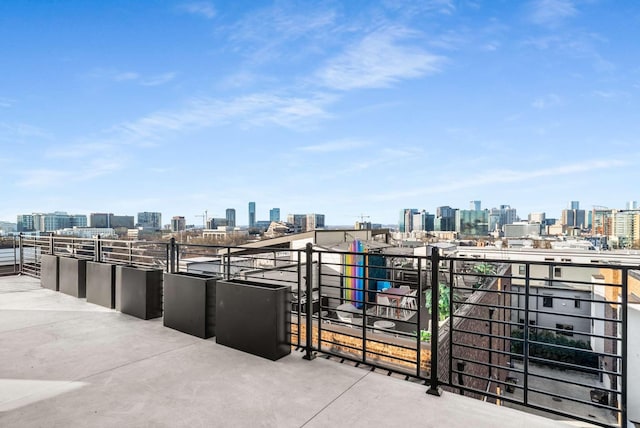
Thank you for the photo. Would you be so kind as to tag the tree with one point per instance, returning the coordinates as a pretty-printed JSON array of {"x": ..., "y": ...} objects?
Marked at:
[{"x": 444, "y": 300}]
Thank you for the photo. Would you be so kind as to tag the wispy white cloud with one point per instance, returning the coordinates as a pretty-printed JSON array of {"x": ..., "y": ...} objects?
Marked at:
[
  {"x": 377, "y": 61},
  {"x": 508, "y": 176},
  {"x": 546, "y": 101},
  {"x": 13, "y": 131},
  {"x": 159, "y": 79},
  {"x": 551, "y": 12},
  {"x": 610, "y": 94},
  {"x": 6, "y": 102},
  {"x": 335, "y": 146},
  {"x": 132, "y": 76},
  {"x": 412, "y": 7},
  {"x": 43, "y": 178},
  {"x": 124, "y": 76},
  {"x": 250, "y": 110},
  {"x": 204, "y": 9}
]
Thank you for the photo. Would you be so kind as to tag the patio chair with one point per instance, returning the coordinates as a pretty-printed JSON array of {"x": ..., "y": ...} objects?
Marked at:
[
  {"x": 408, "y": 304},
  {"x": 384, "y": 306},
  {"x": 345, "y": 313}
]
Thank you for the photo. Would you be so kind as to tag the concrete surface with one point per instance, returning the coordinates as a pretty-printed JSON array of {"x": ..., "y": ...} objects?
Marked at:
[{"x": 65, "y": 363}]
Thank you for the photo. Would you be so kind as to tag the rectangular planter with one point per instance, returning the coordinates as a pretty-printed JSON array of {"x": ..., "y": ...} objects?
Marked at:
[
  {"x": 73, "y": 277},
  {"x": 190, "y": 303},
  {"x": 49, "y": 272},
  {"x": 101, "y": 284},
  {"x": 139, "y": 291},
  {"x": 254, "y": 317}
]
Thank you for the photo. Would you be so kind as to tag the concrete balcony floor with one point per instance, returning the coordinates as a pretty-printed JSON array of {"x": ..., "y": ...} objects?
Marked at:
[{"x": 65, "y": 362}]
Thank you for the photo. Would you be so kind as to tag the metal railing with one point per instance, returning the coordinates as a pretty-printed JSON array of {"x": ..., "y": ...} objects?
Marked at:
[{"x": 542, "y": 335}]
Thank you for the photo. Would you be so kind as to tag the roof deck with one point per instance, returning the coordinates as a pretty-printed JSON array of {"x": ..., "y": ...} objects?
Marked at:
[{"x": 66, "y": 362}]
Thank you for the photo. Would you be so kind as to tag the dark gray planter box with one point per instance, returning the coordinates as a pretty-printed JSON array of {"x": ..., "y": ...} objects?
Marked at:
[
  {"x": 49, "y": 273},
  {"x": 139, "y": 291},
  {"x": 73, "y": 277},
  {"x": 101, "y": 284},
  {"x": 254, "y": 317},
  {"x": 190, "y": 303}
]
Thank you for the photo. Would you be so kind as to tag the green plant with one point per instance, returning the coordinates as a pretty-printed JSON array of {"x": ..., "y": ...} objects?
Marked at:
[
  {"x": 443, "y": 301},
  {"x": 549, "y": 346},
  {"x": 425, "y": 335}
]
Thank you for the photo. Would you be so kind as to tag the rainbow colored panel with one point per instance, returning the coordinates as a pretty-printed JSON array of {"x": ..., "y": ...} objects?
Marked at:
[{"x": 354, "y": 274}]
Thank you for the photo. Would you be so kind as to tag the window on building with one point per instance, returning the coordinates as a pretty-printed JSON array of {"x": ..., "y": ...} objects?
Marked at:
[
  {"x": 564, "y": 329},
  {"x": 557, "y": 272},
  {"x": 547, "y": 301},
  {"x": 576, "y": 303},
  {"x": 522, "y": 270}
]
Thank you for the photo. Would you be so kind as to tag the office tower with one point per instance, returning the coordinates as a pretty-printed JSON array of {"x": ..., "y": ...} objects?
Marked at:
[
  {"x": 230, "y": 214},
  {"x": 405, "y": 221},
  {"x": 315, "y": 221},
  {"x": 537, "y": 218},
  {"x": 632, "y": 205},
  {"x": 252, "y": 214},
  {"x": 574, "y": 217},
  {"x": 422, "y": 221},
  {"x": 150, "y": 220},
  {"x": 100, "y": 220},
  {"x": 178, "y": 223},
  {"x": 25, "y": 223},
  {"x": 299, "y": 221},
  {"x": 274, "y": 214},
  {"x": 475, "y": 205},
  {"x": 445, "y": 219}
]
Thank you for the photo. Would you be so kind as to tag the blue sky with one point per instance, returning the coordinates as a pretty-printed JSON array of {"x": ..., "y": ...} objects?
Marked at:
[{"x": 342, "y": 108}]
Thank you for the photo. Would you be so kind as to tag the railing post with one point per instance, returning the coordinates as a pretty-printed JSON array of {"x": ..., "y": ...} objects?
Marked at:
[
  {"x": 228, "y": 263},
  {"x": 624, "y": 362},
  {"x": 418, "y": 322},
  {"x": 130, "y": 249},
  {"x": 525, "y": 335},
  {"x": 51, "y": 244},
  {"x": 308, "y": 354},
  {"x": 172, "y": 255},
  {"x": 21, "y": 250},
  {"x": 96, "y": 249},
  {"x": 435, "y": 313}
]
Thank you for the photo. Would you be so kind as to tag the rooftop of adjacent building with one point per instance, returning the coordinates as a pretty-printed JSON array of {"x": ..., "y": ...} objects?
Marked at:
[{"x": 66, "y": 362}]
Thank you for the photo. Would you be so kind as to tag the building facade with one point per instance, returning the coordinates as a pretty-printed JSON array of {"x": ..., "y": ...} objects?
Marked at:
[
  {"x": 274, "y": 214},
  {"x": 252, "y": 214},
  {"x": 178, "y": 223},
  {"x": 230, "y": 214},
  {"x": 150, "y": 220}
]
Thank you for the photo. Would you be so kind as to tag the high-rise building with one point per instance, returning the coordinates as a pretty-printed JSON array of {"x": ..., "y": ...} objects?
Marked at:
[
  {"x": 274, "y": 214},
  {"x": 102, "y": 220},
  {"x": 49, "y": 222},
  {"x": 472, "y": 222},
  {"x": 537, "y": 218},
  {"x": 25, "y": 223},
  {"x": 632, "y": 205},
  {"x": 178, "y": 223},
  {"x": 405, "y": 221},
  {"x": 299, "y": 222},
  {"x": 574, "y": 217},
  {"x": 475, "y": 205},
  {"x": 150, "y": 220},
  {"x": 314, "y": 222},
  {"x": 230, "y": 214},
  {"x": 445, "y": 220},
  {"x": 252, "y": 214}
]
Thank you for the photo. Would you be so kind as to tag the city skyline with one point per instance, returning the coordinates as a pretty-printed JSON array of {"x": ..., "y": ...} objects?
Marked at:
[{"x": 340, "y": 108}]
